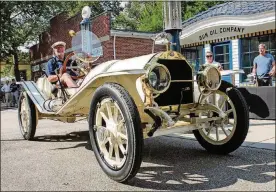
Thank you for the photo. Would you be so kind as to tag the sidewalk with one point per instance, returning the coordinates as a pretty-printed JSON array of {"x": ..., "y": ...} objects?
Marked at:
[
  {"x": 4, "y": 107},
  {"x": 261, "y": 134}
]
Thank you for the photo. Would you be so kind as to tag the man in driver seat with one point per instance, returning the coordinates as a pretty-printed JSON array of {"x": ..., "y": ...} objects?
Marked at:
[{"x": 56, "y": 62}]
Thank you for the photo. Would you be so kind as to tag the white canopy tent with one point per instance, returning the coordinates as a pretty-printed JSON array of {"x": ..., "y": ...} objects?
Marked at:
[{"x": 4, "y": 79}]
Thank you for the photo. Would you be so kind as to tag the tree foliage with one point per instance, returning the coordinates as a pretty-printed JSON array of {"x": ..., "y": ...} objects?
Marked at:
[
  {"x": 128, "y": 19},
  {"x": 148, "y": 16},
  {"x": 151, "y": 18},
  {"x": 22, "y": 21},
  {"x": 6, "y": 70},
  {"x": 191, "y": 8},
  {"x": 97, "y": 7}
]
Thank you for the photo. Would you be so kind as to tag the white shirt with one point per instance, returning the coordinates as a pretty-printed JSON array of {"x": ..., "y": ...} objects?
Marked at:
[
  {"x": 6, "y": 88},
  {"x": 214, "y": 63}
]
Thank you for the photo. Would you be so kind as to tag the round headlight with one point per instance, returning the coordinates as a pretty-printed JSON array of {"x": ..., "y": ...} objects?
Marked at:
[
  {"x": 210, "y": 78},
  {"x": 158, "y": 78},
  {"x": 152, "y": 79}
]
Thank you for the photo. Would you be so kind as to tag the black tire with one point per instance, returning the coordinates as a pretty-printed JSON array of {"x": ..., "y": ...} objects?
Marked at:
[
  {"x": 241, "y": 128},
  {"x": 133, "y": 126},
  {"x": 31, "y": 129}
]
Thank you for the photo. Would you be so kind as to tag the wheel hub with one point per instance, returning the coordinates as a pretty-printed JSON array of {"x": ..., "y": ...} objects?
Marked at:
[
  {"x": 111, "y": 134},
  {"x": 24, "y": 112},
  {"x": 220, "y": 131}
]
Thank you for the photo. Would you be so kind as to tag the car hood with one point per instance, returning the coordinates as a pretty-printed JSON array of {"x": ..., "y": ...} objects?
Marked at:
[{"x": 135, "y": 63}]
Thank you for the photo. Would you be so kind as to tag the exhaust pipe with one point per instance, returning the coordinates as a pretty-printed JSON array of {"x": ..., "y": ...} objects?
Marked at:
[
  {"x": 173, "y": 127},
  {"x": 179, "y": 129}
]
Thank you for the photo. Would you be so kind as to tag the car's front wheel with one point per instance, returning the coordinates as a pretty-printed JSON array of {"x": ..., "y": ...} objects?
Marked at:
[
  {"x": 115, "y": 132},
  {"x": 223, "y": 137},
  {"x": 27, "y": 116}
]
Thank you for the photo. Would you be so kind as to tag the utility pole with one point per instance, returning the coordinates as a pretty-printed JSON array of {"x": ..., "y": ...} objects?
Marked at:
[{"x": 173, "y": 22}]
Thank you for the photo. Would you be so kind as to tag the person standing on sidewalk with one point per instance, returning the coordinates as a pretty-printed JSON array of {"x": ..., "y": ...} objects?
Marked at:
[
  {"x": 6, "y": 89},
  {"x": 264, "y": 67},
  {"x": 14, "y": 92}
]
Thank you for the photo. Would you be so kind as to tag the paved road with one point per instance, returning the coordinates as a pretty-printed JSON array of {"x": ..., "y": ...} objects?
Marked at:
[{"x": 61, "y": 159}]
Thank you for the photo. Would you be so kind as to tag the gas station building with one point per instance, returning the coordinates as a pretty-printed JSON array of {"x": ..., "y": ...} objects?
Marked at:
[{"x": 232, "y": 31}]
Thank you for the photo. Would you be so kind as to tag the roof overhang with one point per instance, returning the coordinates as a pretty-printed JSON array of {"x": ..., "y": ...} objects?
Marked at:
[
  {"x": 221, "y": 27},
  {"x": 141, "y": 35}
]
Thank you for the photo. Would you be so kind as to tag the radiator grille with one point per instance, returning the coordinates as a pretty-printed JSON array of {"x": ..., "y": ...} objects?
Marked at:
[{"x": 179, "y": 70}]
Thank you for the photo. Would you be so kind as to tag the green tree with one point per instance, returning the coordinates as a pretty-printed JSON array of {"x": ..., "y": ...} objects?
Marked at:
[
  {"x": 6, "y": 70},
  {"x": 151, "y": 19},
  {"x": 97, "y": 7},
  {"x": 22, "y": 21},
  {"x": 128, "y": 19},
  {"x": 148, "y": 16},
  {"x": 191, "y": 8}
]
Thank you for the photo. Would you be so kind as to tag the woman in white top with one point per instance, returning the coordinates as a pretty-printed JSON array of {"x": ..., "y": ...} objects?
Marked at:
[{"x": 210, "y": 60}]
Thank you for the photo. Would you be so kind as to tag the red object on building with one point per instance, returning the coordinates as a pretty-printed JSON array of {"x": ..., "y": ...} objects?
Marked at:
[{"x": 127, "y": 44}]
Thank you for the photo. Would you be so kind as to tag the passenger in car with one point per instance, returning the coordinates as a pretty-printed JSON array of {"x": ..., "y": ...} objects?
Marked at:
[
  {"x": 56, "y": 62},
  {"x": 210, "y": 60}
]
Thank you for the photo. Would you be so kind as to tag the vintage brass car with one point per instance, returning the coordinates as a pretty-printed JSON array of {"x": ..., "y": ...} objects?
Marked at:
[{"x": 126, "y": 101}]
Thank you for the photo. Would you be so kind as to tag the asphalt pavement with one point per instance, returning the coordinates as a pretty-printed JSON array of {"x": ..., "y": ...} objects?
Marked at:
[{"x": 61, "y": 159}]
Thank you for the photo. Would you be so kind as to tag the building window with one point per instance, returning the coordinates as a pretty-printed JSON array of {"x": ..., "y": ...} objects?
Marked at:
[
  {"x": 221, "y": 54},
  {"x": 250, "y": 49},
  {"x": 194, "y": 55}
]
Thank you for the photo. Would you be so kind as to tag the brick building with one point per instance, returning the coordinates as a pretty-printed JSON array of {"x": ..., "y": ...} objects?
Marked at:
[{"x": 116, "y": 44}]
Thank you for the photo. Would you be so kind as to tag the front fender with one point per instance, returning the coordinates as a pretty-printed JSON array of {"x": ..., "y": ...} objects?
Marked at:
[{"x": 79, "y": 103}]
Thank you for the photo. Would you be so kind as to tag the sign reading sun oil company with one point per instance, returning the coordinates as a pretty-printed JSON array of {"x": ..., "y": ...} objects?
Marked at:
[
  {"x": 221, "y": 30},
  {"x": 224, "y": 27}
]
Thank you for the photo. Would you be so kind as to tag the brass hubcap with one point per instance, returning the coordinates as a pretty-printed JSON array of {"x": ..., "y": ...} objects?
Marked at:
[
  {"x": 220, "y": 132},
  {"x": 24, "y": 113},
  {"x": 111, "y": 133}
]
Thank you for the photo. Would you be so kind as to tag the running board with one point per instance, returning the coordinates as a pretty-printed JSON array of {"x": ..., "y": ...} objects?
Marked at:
[{"x": 35, "y": 95}]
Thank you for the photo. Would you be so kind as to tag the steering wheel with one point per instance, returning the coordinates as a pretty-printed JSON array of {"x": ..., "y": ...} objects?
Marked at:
[{"x": 64, "y": 66}]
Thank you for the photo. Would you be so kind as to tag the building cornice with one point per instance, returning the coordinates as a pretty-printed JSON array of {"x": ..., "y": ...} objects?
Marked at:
[{"x": 142, "y": 35}]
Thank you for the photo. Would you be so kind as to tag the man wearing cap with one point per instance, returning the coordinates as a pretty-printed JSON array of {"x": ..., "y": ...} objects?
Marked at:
[{"x": 56, "y": 62}]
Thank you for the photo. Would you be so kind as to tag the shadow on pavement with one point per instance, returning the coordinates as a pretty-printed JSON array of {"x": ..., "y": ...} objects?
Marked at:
[
  {"x": 171, "y": 163},
  {"x": 70, "y": 137},
  {"x": 178, "y": 164},
  {"x": 4, "y": 108}
]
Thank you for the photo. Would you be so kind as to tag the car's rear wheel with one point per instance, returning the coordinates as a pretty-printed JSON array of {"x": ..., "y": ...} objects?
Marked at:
[
  {"x": 224, "y": 137},
  {"x": 115, "y": 132},
  {"x": 27, "y": 116}
]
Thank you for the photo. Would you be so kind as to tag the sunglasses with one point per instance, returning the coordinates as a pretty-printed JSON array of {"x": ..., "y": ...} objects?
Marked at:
[
  {"x": 58, "y": 47},
  {"x": 209, "y": 56}
]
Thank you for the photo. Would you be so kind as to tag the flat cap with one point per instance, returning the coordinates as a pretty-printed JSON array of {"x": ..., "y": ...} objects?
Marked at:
[{"x": 58, "y": 43}]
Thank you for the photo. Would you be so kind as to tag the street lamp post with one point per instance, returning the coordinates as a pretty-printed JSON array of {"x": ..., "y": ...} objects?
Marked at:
[{"x": 85, "y": 30}]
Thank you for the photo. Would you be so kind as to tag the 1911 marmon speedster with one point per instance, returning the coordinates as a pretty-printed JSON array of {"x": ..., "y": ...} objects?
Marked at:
[{"x": 126, "y": 101}]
